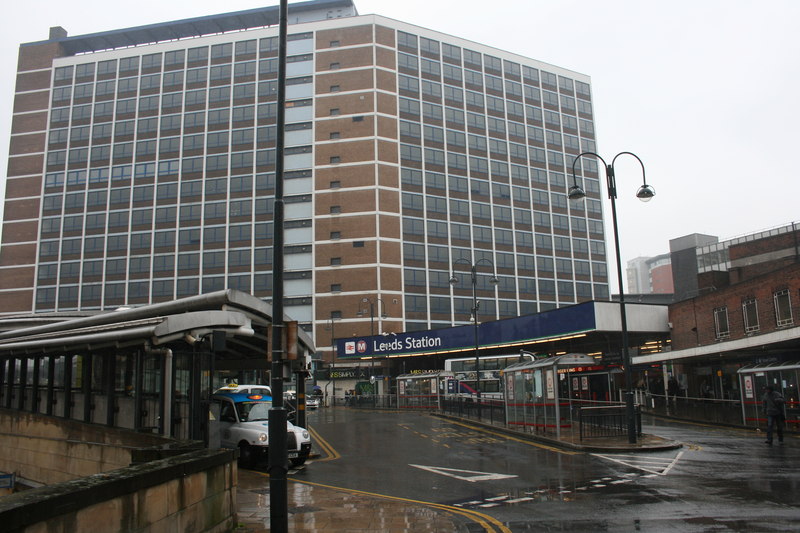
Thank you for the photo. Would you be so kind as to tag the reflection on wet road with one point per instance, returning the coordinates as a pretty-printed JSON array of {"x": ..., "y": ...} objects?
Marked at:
[{"x": 721, "y": 480}]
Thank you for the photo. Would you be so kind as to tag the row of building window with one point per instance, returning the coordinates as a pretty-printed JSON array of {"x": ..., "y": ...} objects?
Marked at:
[
  {"x": 456, "y": 118},
  {"x": 433, "y": 73},
  {"x": 782, "y": 306},
  {"x": 459, "y": 139},
  {"x": 175, "y": 93},
  {"x": 438, "y": 182},
  {"x": 91, "y": 294},
  {"x": 503, "y": 261},
  {"x": 240, "y": 51},
  {"x": 117, "y": 220},
  {"x": 528, "y": 303},
  {"x": 120, "y": 177},
  {"x": 449, "y": 53},
  {"x": 104, "y": 112}
]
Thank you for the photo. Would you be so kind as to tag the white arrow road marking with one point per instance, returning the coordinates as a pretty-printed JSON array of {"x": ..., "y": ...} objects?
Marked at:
[
  {"x": 654, "y": 465},
  {"x": 471, "y": 475}
]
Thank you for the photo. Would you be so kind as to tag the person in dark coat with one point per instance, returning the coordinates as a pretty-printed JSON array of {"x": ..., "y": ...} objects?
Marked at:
[{"x": 773, "y": 408}]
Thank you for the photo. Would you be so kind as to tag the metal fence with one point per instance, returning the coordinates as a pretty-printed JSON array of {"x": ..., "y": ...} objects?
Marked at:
[
  {"x": 485, "y": 410},
  {"x": 372, "y": 401},
  {"x": 717, "y": 411},
  {"x": 606, "y": 421}
]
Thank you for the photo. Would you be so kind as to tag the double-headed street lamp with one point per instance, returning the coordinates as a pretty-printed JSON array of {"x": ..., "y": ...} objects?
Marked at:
[
  {"x": 474, "y": 277},
  {"x": 383, "y": 315},
  {"x": 645, "y": 193}
]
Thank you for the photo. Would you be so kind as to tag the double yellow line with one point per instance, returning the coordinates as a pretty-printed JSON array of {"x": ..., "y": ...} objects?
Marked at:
[
  {"x": 489, "y": 524},
  {"x": 329, "y": 451}
]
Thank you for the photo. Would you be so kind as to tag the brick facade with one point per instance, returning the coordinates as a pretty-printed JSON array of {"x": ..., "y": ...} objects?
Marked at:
[{"x": 693, "y": 319}]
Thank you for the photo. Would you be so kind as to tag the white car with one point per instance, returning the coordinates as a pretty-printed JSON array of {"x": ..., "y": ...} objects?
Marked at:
[
  {"x": 312, "y": 402},
  {"x": 243, "y": 423}
]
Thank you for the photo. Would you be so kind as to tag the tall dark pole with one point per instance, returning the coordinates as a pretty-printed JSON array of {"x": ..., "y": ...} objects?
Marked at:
[
  {"x": 475, "y": 305},
  {"x": 626, "y": 356},
  {"x": 372, "y": 359},
  {"x": 372, "y": 303},
  {"x": 645, "y": 193},
  {"x": 474, "y": 275},
  {"x": 278, "y": 438}
]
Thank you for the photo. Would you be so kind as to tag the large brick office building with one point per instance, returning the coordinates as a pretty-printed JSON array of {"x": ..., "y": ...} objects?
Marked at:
[{"x": 141, "y": 170}]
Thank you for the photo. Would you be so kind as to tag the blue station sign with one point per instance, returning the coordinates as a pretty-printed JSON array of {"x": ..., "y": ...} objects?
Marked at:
[{"x": 558, "y": 322}]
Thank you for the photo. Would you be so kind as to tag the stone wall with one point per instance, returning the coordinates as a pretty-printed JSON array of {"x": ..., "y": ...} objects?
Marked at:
[
  {"x": 47, "y": 449},
  {"x": 192, "y": 492}
]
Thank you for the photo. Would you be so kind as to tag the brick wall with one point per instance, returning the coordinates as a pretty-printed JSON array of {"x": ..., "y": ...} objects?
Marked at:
[{"x": 693, "y": 320}]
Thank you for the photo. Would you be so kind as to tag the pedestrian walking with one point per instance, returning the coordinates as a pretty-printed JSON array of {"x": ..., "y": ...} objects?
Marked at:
[{"x": 773, "y": 408}]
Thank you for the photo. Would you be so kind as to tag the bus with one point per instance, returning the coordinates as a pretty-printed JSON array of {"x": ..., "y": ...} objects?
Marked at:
[{"x": 463, "y": 372}]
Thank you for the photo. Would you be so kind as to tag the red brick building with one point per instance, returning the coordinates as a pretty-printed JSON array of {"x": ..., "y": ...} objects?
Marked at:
[{"x": 745, "y": 312}]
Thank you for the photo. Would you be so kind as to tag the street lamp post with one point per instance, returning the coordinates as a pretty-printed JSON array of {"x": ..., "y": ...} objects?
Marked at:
[
  {"x": 474, "y": 278},
  {"x": 334, "y": 353},
  {"x": 372, "y": 331},
  {"x": 645, "y": 193}
]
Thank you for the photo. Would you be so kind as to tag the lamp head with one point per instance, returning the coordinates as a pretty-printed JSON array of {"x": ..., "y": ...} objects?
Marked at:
[
  {"x": 453, "y": 279},
  {"x": 576, "y": 193},
  {"x": 493, "y": 280},
  {"x": 645, "y": 193}
]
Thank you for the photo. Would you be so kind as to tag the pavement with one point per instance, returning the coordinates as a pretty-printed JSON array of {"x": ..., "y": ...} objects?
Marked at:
[{"x": 317, "y": 508}]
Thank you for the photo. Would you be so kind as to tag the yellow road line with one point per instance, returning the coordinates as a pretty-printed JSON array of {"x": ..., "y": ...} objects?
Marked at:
[
  {"x": 330, "y": 452},
  {"x": 487, "y": 522}
]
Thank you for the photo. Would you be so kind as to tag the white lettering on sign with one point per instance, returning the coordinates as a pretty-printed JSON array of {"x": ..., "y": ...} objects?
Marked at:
[{"x": 409, "y": 344}]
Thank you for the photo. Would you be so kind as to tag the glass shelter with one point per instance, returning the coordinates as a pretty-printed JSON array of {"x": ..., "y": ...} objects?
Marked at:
[
  {"x": 784, "y": 377},
  {"x": 543, "y": 396}
]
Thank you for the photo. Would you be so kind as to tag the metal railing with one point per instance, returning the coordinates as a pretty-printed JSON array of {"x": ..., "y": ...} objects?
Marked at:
[
  {"x": 372, "y": 401},
  {"x": 606, "y": 421},
  {"x": 719, "y": 411},
  {"x": 488, "y": 410}
]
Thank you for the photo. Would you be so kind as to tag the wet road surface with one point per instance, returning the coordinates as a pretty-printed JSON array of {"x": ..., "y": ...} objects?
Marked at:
[{"x": 721, "y": 480}]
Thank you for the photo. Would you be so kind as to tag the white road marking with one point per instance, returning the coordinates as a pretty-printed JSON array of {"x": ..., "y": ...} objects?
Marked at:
[
  {"x": 467, "y": 475},
  {"x": 653, "y": 465}
]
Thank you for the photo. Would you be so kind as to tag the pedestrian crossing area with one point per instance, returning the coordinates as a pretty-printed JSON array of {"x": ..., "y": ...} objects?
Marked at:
[{"x": 644, "y": 467}]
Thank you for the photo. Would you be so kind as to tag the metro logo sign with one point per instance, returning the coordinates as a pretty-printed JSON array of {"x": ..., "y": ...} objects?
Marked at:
[{"x": 351, "y": 347}]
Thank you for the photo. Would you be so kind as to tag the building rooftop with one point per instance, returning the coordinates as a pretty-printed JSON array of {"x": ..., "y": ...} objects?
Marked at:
[{"x": 186, "y": 28}]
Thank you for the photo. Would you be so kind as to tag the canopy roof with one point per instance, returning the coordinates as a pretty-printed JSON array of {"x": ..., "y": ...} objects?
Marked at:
[{"x": 243, "y": 318}]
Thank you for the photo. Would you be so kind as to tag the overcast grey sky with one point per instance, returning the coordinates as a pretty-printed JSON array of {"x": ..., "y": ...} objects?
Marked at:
[{"x": 704, "y": 91}]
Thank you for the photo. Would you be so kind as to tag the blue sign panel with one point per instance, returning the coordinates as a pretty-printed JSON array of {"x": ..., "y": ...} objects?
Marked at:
[{"x": 558, "y": 322}]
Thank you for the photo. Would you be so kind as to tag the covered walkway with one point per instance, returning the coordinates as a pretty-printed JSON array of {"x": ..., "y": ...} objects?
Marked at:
[{"x": 149, "y": 368}]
